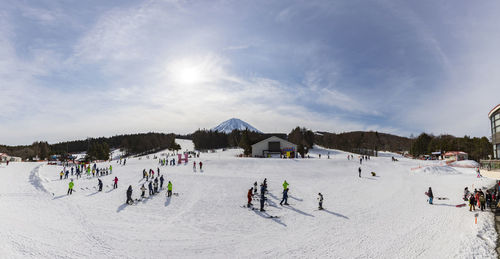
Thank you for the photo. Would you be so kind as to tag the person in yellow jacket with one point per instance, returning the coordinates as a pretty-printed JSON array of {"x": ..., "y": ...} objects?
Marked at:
[
  {"x": 70, "y": 189},
  {"x": 110, "y": 169},
  {"x": 169, "y": 187},
  {"x": 61, "y": 175},
  {"x": 285, "y": 185}
]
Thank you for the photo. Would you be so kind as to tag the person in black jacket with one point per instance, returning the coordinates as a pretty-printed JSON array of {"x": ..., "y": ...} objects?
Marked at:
[
  {"x": 262, "y": 197},
  {"x": 472, "y": 203},
  {"x": 150, "y": 187},
  {"x": 99, "y": 184},
  {"x": 488, "y": 198},
  {"x": 129, "y": 195},
  {"x": 431, "y": 196}
]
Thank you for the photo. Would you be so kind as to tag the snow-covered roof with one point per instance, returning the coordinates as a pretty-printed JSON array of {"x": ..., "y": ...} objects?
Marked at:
[
  {"x": 274, "y": 138},
  {"x": 455, "y": 153},
  {"x": 493, "y": 110}
]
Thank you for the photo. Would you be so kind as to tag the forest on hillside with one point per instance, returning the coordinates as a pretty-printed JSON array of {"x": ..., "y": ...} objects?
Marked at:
[{"x": 96, "y": 148}]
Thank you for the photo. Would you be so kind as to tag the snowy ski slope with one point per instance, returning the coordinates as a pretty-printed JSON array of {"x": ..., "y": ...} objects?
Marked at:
[{"x": 386, "y": 216}]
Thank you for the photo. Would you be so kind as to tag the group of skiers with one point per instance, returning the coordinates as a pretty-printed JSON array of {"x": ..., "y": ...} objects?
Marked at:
[
  {"x": 78, "y": 169},
  {"x": 194, "y": 166},
  {"x": 252, "y": 192},
  {"x": 120, "y": 161},
  {"x": 480, "y": 199},
  {"x": 153, "y": 189}
]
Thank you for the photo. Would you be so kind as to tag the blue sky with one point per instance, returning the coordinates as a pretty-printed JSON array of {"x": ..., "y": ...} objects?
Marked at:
[{"x": 72, "y": 69}]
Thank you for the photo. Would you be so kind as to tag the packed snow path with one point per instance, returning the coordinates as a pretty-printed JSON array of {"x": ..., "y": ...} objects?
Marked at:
[{"x": 386, "y": 216}]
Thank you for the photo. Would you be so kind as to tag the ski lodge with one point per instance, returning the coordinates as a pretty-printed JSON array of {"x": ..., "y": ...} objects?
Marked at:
[
  {"x": 4, "y": 158},
  {"x": 274, "y": 147},
  {"x": 455, "y": 156}
]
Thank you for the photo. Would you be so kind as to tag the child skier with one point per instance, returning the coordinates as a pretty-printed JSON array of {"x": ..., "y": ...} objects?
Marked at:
[
  {"x": 472, "y": 203},
  {"x": 285, "y": 197},
  {"x": 169, "y": 187},
  {"x": 320, "y": 199},
  {"x": 249, "y": 196},
  {"x": 115, "y": 185},
  {"x": 143, "y": 190},
  {"x": 70, "y": 189},
  {"x": 359, "y": 171},
  {"x": 431, "y": 196},
  {"x": 285, "y": 185},
  {"x": 150, "y": 187},
  {"x": 99, "y": 184},
  {"x": 161, "y": 182},
  {"x": 262, "y": 196}
]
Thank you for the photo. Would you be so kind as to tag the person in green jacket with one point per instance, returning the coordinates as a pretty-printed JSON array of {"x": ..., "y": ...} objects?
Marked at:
[
  {"x": 110, "y": 169},
  {"x": 70, "y": 190},
  {"x": 285, "y": 185},
  {"x": 169, "y": 187}
]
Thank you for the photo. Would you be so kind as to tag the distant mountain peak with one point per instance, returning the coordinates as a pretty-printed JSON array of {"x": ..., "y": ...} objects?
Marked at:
[{"x": 232, "y": 124}]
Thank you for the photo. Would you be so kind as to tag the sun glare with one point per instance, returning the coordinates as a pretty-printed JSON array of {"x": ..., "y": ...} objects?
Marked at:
[{"x": 186, "y": 72}]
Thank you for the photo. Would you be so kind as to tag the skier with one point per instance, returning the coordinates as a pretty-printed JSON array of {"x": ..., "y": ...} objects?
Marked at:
[
  {"x": 129, "y": 195},
  {"x": 201, "y": 166},
  {"x": 262, "y": 196},
  {"x": 285, "y": 185},
  {"x": 320, "y": 199},
  {"x": 466, "y": 193},
  {"x": 115, "y": 185},
  {"x": 169, "y": 187},
  {"x": 110, "y": 169},
  {"x": 255, "y": 187},
  {"x": 285, "y": 197},
  {"x": 70, "y": 189},
  {"x": 99, "y": 184},
  {"x": 431, "y": 196},
  {"x": 155, "y": 185},
  {"x": 249, "y": 196},
  {"x": 143, "y": 189},
  {"x": 360, "y": 160},
  {"x": 482, "y": 202},
  {"x": 359, "y": 170},
  {"x": 61, "y": 175},
  {"x": 472, "y": 203},
  {"x": 71, "y": 171},
  {"x": 488, "y": 199},
  {"x": 194, "y": 166},
  {"x": 161, "y": 182},
  {"x": 150, "y": 187}
]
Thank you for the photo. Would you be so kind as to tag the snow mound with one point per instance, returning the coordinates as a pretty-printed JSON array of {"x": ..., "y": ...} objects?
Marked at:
[
  {"x": 465, "y": 163},
  {"x": 232, "y": 124},
  {"x": 442, "y": 170}
]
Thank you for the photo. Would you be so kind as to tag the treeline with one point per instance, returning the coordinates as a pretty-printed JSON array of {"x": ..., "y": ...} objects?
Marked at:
[
  {"x": 96, "y": 148},
  {"x": 206, "y": 139},
  {"x": 477, "y": 148},
  {"x": 360, "y": 140}
]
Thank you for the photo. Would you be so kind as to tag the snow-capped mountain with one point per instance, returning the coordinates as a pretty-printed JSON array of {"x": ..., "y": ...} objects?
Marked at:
[{"x": 233, "y": 124}]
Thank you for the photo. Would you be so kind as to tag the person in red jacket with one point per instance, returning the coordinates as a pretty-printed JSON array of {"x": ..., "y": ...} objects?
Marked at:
[
  {"x": 201, "y": 165},
  {"x": 116, "y": 183},
  {"x": 249, "y": 196}
]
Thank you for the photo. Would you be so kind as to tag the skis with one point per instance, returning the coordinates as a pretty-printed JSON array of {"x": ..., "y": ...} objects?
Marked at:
[{"x": 460, "y": 205}]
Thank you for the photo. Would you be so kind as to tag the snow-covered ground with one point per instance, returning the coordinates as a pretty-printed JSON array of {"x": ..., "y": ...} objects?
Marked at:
[{"x": 386, "y": 216}]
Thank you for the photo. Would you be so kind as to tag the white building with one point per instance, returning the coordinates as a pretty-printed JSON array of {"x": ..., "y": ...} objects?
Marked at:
[
  {"x": 274, "y": 147},
  {"x": 4, "y": 158}
]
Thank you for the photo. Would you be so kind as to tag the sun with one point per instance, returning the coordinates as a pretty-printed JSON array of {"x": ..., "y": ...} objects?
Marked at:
[
  {"x": 189, "y": 75},
  {"x": 187, "y": 72}
]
